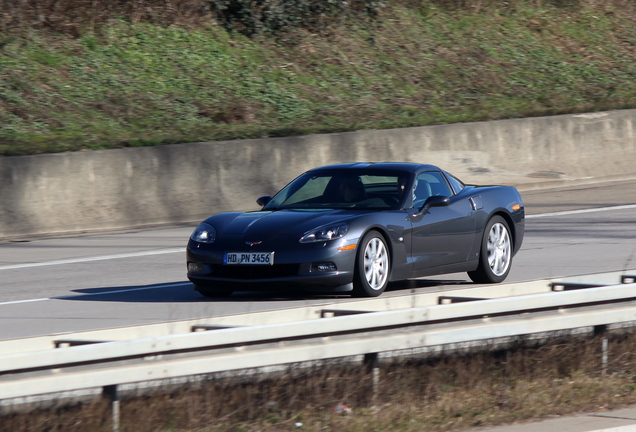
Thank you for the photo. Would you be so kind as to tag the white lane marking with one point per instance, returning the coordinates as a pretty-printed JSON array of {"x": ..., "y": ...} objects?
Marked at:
[
  {"x": 98, "y": 258},
  {"x": 95, "y": 293},
  {"x": 167, "y": 251},
  {"x": 573, "y": 212},
  {"x": 24, "y": 301}
]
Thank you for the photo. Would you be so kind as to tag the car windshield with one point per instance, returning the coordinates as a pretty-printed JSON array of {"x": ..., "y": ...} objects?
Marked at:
[{"x": 340, "y": 189}]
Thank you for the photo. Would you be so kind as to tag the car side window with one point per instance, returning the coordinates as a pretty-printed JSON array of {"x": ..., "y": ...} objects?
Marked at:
[
  {"x": 427, "y": 184},
  {"x": 455, "y": 183}
]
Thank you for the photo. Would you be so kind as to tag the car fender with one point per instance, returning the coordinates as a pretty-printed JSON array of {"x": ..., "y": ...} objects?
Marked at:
[{"x": 399, "y": 244}]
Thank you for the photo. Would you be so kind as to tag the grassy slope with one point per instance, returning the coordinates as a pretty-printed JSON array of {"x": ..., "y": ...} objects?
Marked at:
[{"x": 141, "y": 84}]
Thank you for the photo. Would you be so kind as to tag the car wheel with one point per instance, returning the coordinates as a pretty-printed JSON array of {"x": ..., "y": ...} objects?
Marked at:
[
  {"x": 371, "y": 274},
  {"x": 213, "y": 292},
  {"x": 495, "y": 256}
]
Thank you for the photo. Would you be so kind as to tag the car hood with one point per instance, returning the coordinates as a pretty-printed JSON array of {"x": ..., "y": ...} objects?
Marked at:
[{"x": 262, "y": 225}]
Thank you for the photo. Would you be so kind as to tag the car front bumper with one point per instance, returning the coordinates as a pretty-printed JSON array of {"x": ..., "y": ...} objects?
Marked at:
[{"x": 317, "y": 266}]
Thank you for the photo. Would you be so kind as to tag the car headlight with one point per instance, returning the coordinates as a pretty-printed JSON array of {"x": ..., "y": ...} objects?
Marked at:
[
  {"x": 204, "y": 233},
  {"x": 325, "y": 233}
]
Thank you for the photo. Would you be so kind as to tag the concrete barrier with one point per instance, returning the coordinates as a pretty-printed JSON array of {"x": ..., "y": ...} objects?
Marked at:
[{"x": 111, "y": 189}]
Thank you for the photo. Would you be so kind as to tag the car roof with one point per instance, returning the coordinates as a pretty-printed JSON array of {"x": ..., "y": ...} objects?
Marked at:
[{"x": 401, "y": 166}]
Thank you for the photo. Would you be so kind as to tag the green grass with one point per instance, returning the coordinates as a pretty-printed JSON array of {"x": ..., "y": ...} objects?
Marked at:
[{"x": 129, "y": 84}]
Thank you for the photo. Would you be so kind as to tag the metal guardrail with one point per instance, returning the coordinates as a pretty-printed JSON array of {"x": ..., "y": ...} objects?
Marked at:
[
  {"x": 86, "y": 364},
  {"x": 407, "y": 299}
]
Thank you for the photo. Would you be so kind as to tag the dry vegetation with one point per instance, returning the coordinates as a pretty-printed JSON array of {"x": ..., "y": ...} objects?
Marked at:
[
  {"x": 446, "y": 393},
  {"x": 76, "y": 16}
]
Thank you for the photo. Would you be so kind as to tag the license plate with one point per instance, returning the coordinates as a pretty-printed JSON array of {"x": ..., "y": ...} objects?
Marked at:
[{"x": 252, "y": 258}]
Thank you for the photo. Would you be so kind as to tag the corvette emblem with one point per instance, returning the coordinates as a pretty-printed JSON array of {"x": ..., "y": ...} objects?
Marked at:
[{"x": 251, "y": 243}]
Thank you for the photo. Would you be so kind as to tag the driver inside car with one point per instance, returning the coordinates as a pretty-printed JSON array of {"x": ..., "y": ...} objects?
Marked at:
[{"x": 352, "y": 190}]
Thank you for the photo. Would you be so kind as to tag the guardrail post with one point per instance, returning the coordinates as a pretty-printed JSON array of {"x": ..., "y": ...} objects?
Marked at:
[
  {"x": 601, "y": 330},
  {"x": 508, "y": 360},
  {"x": 373, "y": 365},
  {"x": 110, "y": 392}
]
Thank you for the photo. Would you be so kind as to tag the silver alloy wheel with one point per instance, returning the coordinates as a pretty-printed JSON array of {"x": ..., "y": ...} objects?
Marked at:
[
  {"x": 376, "y": 263},
  {"x": 499, "y": 250}
]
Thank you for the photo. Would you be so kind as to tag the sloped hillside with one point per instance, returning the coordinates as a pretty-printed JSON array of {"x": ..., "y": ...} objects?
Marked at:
[{"x": 79, "y": 74}]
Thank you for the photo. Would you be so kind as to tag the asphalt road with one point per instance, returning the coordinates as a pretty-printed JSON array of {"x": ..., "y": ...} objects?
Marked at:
[{"x": 65, "y": 284}]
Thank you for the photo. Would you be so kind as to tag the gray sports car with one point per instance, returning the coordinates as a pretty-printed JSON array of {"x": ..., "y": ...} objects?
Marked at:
[{"x": 356, "y": 227}]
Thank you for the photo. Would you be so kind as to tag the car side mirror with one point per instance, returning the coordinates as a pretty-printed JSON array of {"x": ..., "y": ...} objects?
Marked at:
[
  {"x": 262, "y": 201},
  {"x": 434, "y": 201}
]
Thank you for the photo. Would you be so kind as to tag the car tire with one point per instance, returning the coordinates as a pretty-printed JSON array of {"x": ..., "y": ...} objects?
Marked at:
[
  {"x": 373, "y": 263},
  {"x": 213, "y": 292},
  {"x": 495, "y": 255}
]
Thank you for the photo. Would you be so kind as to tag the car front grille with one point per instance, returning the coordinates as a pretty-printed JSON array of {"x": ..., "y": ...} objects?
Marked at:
[{"x": 248, "y": 272}]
